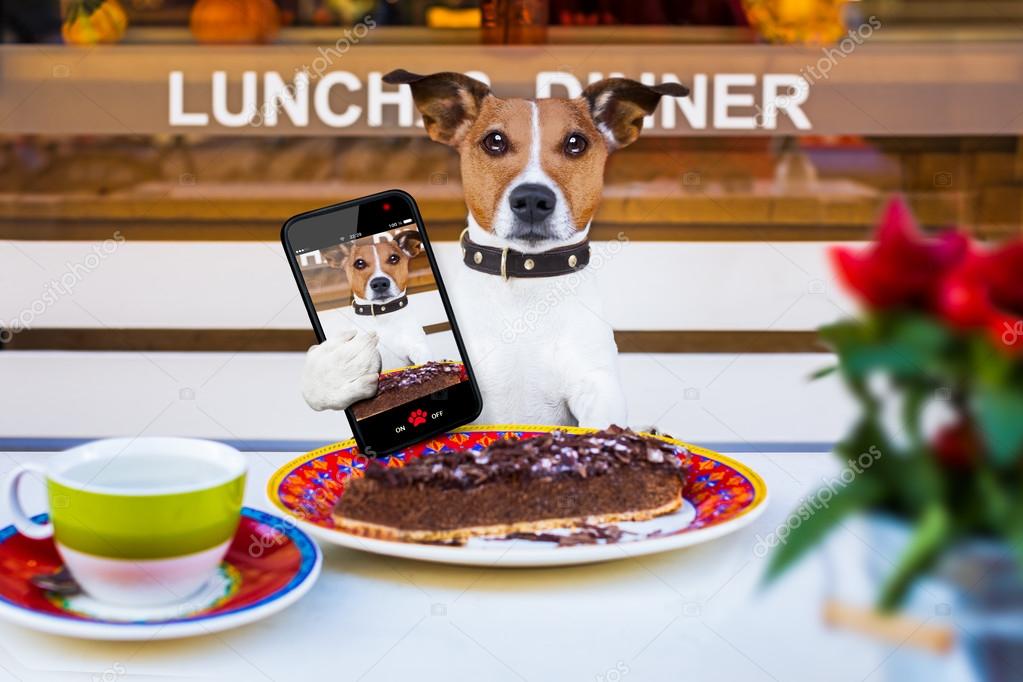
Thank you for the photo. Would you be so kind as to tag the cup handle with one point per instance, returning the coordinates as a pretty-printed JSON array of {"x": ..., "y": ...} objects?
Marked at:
[{"x": 25, "y": 525}]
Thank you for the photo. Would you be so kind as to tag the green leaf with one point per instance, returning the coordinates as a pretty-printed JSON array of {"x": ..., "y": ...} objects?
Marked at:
[
  {"x": 999, "y": 414},
  {"x": 991, "y": 501},
  {"x": 823, "y": 372},
  {"x": 915, "y": 480},
  {"x": 1014, "y": 532},
  {"x": 921, "y": 330},
  {"x": 916, "y": 397},
  {"x": 929, "y": 539},
  {"x": 905, "y": 345},
  {"x": 815, "y": 524},
  {"x": 992, "y": 368},
  {"x": 845, "y": 332}
]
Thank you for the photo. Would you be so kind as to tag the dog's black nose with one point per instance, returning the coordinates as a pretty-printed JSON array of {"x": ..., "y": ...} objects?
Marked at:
[
  {"x": 532, "y": 203},
  {"x": 378, "y": 284}
]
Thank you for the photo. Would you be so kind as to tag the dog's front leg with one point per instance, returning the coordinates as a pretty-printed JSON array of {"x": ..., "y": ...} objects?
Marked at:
[
  {"x": 420, "y": 353},
  {"x": 597, "y": 399},
  {"x": 341, "y": 371},
  {"x": 588, "y": 359}
]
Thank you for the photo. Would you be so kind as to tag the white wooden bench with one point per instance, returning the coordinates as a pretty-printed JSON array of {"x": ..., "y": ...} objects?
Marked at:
[{"x": 733, "y": 399}]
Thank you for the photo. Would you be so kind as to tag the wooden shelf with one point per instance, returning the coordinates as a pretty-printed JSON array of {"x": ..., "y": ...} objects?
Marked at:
[
  {"x": 651, "y": 211},
  {"x": 990, "y": 29},
  {"x": 299, "y": 340}
]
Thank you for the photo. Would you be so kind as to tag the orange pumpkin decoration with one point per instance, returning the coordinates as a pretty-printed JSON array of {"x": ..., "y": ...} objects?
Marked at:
[
  {"x": 235, "y": 21},
  {"x": 93, "y": 21},
  {"x": 817, "y": 22}
]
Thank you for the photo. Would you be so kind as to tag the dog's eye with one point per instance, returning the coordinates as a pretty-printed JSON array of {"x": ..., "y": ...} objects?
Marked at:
[
  {"x": 359, "y": 264},
  {"x": 575, "y": 144},
  {"x": 495, "y": 143},
  {"x": 393, "y": 259}
]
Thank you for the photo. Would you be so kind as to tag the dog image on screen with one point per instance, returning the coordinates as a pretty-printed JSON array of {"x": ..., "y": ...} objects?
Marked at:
[{"x": 377, "y": 270}]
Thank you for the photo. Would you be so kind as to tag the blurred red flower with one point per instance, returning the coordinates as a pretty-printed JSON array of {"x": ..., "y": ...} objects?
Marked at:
[
  {"x": 957, "y": 445},
  {"x": 986, "y": 291},
  {"x": 902, "y": 269},
  {"x": 1005, "y": 275},
  {"x": 963, "y": 300}
]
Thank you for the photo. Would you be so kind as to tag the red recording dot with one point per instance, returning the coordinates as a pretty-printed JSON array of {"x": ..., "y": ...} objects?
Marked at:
[{"x": 386, "y": 207}]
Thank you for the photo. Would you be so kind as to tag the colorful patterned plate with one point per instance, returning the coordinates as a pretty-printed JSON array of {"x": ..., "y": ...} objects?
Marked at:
[
  {"x": 721, "y": 496},
  {"x": 270, "y": 564}
]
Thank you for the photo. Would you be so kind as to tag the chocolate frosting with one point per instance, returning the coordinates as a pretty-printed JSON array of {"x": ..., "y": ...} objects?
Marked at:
[
  {"x": 553, "y": 455},
  {"x": 413, "y": 376}
]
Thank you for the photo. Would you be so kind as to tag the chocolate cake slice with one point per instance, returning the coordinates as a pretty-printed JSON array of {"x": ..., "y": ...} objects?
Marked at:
[
  {"x": 516, "y": 486},
  {"x": 404, "y": 385}
]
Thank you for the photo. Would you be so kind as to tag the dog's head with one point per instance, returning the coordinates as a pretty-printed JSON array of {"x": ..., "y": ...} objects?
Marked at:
[
  {"x": 377, "y": 272},
  {"x": 532, "y": 171}
]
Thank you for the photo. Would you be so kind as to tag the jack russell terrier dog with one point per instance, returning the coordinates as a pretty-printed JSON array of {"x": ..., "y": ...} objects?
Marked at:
[
  {"x": 532, "y": 172},
  {"x": 378, "y": 276}
]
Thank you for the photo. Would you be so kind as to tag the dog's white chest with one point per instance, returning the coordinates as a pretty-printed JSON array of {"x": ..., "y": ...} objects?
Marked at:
[
  {"x": 399, "y": 339},
  {"x": 521, "y": 336},
  {"x": 401, "y": 336}
]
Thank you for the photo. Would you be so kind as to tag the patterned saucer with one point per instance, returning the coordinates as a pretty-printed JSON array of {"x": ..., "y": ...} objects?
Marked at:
[
  {"x": 721, "y": 496},
  {"x": 268, "y": 567}
]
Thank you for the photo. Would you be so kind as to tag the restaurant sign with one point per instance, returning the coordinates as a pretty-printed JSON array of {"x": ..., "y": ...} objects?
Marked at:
[
  {"x": 342, "y": 99},
  {"x": 879, "y": 88}
]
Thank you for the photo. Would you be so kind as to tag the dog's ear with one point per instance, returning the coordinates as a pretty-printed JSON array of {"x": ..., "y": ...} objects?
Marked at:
[
  {"x": 449, "y": 102},
  {"x": 410, "y": 243},
  {"x": 618, "y": 106},
  {"x": 335, "y": 256}
]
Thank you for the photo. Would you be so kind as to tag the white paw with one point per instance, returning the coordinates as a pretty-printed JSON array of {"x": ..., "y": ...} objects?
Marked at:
[
  {"x": 420, "y": 356},
  {"x": 647, "y": 428},
  {"x": 341, "y": 371}
]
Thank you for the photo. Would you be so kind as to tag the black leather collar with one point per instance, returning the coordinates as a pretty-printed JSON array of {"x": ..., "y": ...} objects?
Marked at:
[
  {"x": 374, "y": 309},
  {"x": 508, "y": 262}
]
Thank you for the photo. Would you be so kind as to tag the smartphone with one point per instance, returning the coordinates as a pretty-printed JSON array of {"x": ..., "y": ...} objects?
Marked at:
[{"x": 368, "y": 265}]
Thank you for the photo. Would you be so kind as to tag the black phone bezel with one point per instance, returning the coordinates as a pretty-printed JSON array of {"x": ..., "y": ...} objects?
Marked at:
[{"x": 475, "y": 410}]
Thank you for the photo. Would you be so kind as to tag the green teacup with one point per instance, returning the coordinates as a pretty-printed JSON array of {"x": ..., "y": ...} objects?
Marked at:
[{"x": 141, "y": 521}]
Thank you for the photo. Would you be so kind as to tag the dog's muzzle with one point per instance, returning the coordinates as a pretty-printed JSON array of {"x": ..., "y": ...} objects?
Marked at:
[
  {"x": 531, "y": 204},
  {"x": 381, "y": 289}
]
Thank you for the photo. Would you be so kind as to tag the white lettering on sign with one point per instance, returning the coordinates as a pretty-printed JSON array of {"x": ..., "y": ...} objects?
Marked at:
[
  {"x": 726, "y": 99},
  {"x": 178, "y": 115},
  {"x": 246, "y": 112},
  {"x": 779, "y": 93},
  {"x": 322, "y": 99},
  {"x": 693, "y": 107},
  {"x": 293, "y": 100},
  {"x": 378, "y": 97},
  {"x": 340, "y": 99},
  {"x": 785, "y": 92}
]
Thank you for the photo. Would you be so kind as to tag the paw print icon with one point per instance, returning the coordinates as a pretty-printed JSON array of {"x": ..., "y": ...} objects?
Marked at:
[{"x": 417, "y": 417}]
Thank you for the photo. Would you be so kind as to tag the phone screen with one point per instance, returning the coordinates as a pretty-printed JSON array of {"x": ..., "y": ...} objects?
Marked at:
[{"x": 368, "y": 266}]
